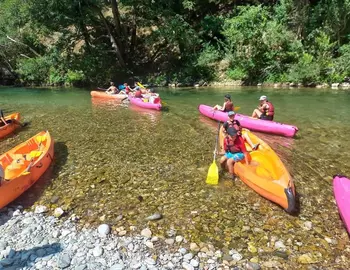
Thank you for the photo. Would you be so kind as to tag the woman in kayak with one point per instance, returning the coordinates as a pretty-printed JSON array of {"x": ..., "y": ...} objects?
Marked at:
[
  {"x": 231, "y": 125},
  {"x": 112, "y": 89},
  {"x": 234, "y": 151},
  {"x": 227, "y": 106},
  {"x": 265, "y": 110}
]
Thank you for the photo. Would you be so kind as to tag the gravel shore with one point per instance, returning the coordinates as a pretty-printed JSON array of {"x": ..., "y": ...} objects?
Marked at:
[{"x": 35, "y": 240}]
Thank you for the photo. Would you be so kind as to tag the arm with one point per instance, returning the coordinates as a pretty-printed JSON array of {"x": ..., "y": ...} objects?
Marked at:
[
  {"x": 3, "y": 120},
  {"x": 223, "y": 107}
]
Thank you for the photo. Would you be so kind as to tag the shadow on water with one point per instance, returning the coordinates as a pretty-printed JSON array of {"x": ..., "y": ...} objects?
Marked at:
[
  {"x": 22, "y": 258},
  {"x": 28, "y": 198}
]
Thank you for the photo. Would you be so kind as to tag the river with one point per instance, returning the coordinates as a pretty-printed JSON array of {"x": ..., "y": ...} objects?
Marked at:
[{"x": 118, "y": 164}]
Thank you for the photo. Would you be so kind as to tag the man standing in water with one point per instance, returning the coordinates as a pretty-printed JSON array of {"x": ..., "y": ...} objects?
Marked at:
[{"x": 265, "y": 110}]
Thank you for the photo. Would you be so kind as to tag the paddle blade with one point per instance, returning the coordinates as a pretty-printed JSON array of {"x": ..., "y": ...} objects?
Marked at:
[
  {"x": 213, "y": 174},
  {"x": 236, "y": 108}
]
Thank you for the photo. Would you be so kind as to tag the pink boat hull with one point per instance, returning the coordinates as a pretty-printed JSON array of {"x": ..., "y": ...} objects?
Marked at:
[
  {"x": 341, "y": 189},
  {"x": 251, "y": 123},
  {"x": 139, "y": 102}
]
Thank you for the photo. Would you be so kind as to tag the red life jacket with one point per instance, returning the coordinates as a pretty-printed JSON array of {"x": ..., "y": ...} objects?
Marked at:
[
  {"x": 232, "y": 125},
  {"x": 235, "y": 146},
  {"x": 138, "y": 94},
  {"x": 228, "y": 106},
  {"x": 271, "y": 110}
]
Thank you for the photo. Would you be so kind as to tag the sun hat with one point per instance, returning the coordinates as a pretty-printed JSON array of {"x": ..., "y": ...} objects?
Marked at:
[
  {"x": 263, "y": 98},
  {"x": 231, "y": 113},
  {"x": 228, "y": 96}
]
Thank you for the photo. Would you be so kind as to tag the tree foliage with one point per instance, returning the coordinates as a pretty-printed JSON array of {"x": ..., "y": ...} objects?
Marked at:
[{"x": 92, "y": 41}]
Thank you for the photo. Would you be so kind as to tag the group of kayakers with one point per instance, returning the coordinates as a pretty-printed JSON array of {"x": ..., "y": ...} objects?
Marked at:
[
  {"x": 264, "y": 111},
  {"x": 148, "y": 95},
  {"x": 234, "y": 148}
]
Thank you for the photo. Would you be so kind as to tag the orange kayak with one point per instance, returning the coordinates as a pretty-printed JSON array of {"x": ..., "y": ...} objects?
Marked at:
[
  {"x": 23, "y": 166},
  {"x": 9, "y": 128},
  {"x": 101, "y": 94},
  {"x": 266, "y": 174}
]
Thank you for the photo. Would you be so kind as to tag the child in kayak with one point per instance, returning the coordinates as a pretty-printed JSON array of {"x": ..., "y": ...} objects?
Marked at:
[
  {"x": 265, "y": 110},
  {"x": 227, "y": 106},
  {"x": 231, "y": 125},
  {"x": 234, "y": 151}
]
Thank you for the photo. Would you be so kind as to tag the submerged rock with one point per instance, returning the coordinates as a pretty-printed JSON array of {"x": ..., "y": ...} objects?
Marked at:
[{"x": 155, "y": 216}]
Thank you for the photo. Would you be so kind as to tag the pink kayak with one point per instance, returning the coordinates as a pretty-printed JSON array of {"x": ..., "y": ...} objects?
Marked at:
[
  {"x": 148, "y": 105},
  {"x": 251, "y": 123},
  {"x": 341, "y": 189}
]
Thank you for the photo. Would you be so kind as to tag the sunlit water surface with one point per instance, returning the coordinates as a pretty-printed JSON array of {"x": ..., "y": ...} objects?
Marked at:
[{"x": 117, "y": 164}]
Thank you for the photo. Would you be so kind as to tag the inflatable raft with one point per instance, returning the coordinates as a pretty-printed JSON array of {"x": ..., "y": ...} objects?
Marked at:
[
  {"x": 251, "y": 123},
  {"x": 144, "y": 104},
  {"x": 100, "y": 94},
  {"x": 10, "y": 127},
  {"x": 23, "y": 165},
  {"x": 341, "y": 189},
  {"x": 266, "y": 173}
]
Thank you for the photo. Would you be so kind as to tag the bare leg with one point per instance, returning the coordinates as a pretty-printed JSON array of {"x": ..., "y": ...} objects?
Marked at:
[
  {"x": 223, "y": 162},
  {"x": 256, "y": 113},
  {"x": 217, "y": 107},
  {"x": 248, "y": 140},
  {"x": 230, "y": 163}
]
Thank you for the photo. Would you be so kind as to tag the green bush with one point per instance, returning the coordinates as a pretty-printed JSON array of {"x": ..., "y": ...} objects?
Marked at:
[
  {"x": 306, "y": 70},
  {"x": 33, "y": 70},
  {"x": 236, "y": 74}
]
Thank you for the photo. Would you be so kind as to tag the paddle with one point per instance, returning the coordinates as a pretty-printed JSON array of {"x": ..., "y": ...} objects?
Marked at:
[
  {"x": 139, "y": 84},
  {"x": 236, "y": 108},
  {"x": 213, "y": 172}
]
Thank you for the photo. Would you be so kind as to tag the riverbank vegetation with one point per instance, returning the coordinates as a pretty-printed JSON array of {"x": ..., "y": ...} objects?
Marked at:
[{"x": 170, "y": 41}]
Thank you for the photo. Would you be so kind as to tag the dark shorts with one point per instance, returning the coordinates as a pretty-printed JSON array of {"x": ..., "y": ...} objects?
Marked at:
[{"x": 266, "y": 117}]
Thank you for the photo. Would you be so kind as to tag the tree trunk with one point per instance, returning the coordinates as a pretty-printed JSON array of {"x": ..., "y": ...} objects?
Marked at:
[
  {"x": 115, "y": 43},
  {"x": 86, "y": 35},
  {"x": 133, "y": 33},
  {"x": 118, "y": 28}
]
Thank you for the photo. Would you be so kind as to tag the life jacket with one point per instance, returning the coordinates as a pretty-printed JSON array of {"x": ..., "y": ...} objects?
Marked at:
[
  {"x": 234, "y": 146},
  {"x": 228, "y": 106},
  {"x": 271, "y": 110},
  {"x": 138, "y": 94},
  {"x": 127, "y": 89},
  {"x": 234, "y": 125}
]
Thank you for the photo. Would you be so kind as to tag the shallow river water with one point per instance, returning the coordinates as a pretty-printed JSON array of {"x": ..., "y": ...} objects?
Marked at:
[{"x": 118, "y": 164}]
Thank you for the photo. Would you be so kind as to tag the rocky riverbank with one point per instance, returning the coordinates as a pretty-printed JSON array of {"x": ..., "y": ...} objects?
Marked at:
[{"x": 34, "y": 240}]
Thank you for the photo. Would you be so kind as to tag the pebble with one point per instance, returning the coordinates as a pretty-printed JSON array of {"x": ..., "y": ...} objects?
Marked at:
[
  {"x": 155, "y": 216},
  {"x": 63, "y": 261},
  {"x": 252, "y": 266},
  {"x": 149, "y": 244},
  {"x": 187, "y": 266},
  {"x": 146, "y": 233},
  {"x": 169, "y": 241},
  {"x": 58, "y": 212},
  {"x": 188, "y": 256},
  {"x": 179, "y": 239},
  {"x": 194, "y": 263},
  {"x": 103, "y": 229},
  {"x": 118, "y": 266},
  {"x": 40, "y": 209},
  {"x": 194, "y": 247},
  {"x": 308, "y": 225},
  {"x": 97, "y": 251}
]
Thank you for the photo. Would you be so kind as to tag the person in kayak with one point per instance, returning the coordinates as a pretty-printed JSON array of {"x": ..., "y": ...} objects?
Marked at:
[
  {"x": 227, "y": 106},
  {"x": 125, "y": 89},
  {"x": 234, "y": 151},
  {"x": 231, "y": 124},
  {"x": 5, "y": 122},
  {"x": 265, "y": 110},
  {"x": 112, "y": 90}
]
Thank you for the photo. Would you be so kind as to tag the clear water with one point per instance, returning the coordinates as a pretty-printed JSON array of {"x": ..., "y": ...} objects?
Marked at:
[{"x": 118, "y": 164}]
